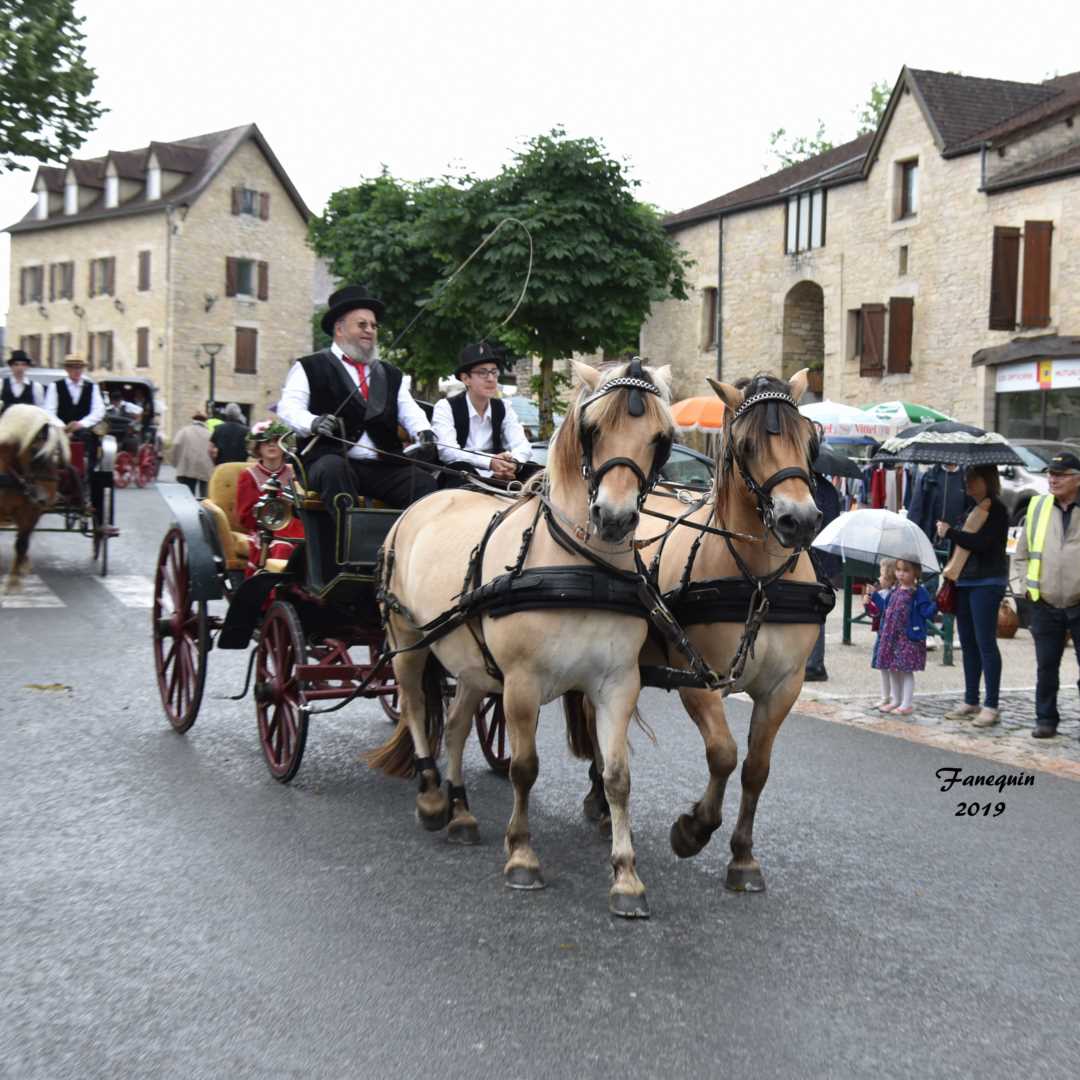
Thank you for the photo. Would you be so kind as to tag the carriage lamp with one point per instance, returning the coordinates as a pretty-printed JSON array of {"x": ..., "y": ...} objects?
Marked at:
[{"x": 274, "y": 510}]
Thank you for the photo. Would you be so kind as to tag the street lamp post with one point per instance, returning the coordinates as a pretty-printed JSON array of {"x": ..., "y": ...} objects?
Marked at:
[{"x": 211, "y": 348}]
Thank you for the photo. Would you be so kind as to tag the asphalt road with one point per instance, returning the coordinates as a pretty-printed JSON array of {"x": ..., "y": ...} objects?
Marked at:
[{"x": 170, "y": 910}]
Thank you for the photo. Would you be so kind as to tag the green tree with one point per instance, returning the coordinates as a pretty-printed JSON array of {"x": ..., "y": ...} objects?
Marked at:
[
  {"x": 600, "y": 256},
  {"x": 45, "y": 83},
  {"x": 790, "y": 150}
]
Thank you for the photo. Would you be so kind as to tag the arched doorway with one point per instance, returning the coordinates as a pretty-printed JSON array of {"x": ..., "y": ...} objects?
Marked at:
[{"x": 804, "y": 332}]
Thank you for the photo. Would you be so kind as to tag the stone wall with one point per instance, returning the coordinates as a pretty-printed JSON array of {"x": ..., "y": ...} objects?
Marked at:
[
  {"x": 804, "y": 328},
  {"x": 948, "y": 269}
]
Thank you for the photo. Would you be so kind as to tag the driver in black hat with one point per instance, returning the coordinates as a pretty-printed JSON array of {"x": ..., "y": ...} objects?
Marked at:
[
  {"x": 17, "y": 389},
  {"x": 349, "y": 404}
]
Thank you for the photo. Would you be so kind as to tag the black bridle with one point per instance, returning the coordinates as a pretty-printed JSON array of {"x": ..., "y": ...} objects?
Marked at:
[
  {"x": 636, "y": 382},
  {"x": 773, "y": 400}
]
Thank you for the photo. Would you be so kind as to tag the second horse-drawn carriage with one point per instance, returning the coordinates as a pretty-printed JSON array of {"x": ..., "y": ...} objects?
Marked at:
[{"x": 131, "y": 419}]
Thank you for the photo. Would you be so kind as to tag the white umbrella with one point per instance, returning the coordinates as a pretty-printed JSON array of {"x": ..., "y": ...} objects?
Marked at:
[
  {"x": 845, "y": 420},
  {"x": 869, "y": 535}
]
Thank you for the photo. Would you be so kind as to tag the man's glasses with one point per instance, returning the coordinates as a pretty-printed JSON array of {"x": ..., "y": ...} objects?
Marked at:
[
  {"x": 363, "y": 325},
  {"x": 485, "y": 372}
]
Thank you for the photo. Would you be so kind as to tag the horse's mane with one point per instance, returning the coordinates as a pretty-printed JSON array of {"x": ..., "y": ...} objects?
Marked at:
[
  {"x": 20, "y": 426},
  {"x": 753, "y": 439},
  {"x": 608, "y": 413}
]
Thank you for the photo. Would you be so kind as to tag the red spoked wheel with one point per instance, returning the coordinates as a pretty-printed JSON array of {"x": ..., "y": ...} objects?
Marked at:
[
  {"x": 181, "y": 634},
  {"x": 125, "y": 471},
  {"x": 491, "y": 730},
  {"x": 279, "y": 695},
  {"x": 389, "y": 702},
  {"x": 146, "y": 465}
]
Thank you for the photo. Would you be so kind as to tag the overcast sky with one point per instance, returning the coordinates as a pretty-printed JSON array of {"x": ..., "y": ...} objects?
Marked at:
[{"x": 687, "y": 93}]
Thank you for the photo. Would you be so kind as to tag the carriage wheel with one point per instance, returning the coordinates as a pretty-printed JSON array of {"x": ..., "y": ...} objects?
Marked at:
[
  {"x": 491, "y": 730},
  {"x": 279, "y": 696},
  {"x": 390, "y": 703},
  {"x": 146, "y": 465},
  {"x": 125, "y": 472},
  {"x": 181, "y": 634}
]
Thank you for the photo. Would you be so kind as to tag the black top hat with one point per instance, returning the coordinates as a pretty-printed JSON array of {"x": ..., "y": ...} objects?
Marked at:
[
  {"x": 20, "y": 357},
  {"x": 1066, "y": 461},
  {"x": 349, "y": 299},
  {"x": 482, "y": 352}
]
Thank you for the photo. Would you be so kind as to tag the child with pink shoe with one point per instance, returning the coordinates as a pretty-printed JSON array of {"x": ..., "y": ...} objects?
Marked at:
[
  {"x": 905, "y": 611},
  {"x": 886, "y": 582}
]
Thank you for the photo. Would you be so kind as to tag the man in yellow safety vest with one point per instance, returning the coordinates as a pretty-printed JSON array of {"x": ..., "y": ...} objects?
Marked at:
[{"x": 1048, "y": 558}]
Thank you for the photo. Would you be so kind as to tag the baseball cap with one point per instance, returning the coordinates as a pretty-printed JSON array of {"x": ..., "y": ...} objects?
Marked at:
[{"x": 1066, "y": 461}]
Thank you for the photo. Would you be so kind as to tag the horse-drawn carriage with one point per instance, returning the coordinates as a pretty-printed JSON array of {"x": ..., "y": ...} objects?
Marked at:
[
  {"x": 131, "y": 419},
  {"x": 306, "y": 615}
]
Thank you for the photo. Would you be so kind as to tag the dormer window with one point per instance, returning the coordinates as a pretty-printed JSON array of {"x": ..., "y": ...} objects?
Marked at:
[
  {"x": 112, "y": 187},
  {"x": 41, "y": 210},
  {"x": 71, "y": 195},
  {"x": 153, "y": 178},
  {"x": 804, "y": 222}
]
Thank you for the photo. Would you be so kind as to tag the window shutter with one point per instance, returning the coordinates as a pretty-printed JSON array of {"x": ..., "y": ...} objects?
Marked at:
[
  {"x": 1003, "y": 278},
  {"x": 22, "y": 286},
  {"x": 901, "y": 318},
  {"x": 230, "y": 276},
  {"x": 90, "y": 350},
  {"x": 264, "y": 281},
  {"x": 90, "y": 279},
  {"x": 144, "y": 271},
  {"x": 142, "y": 347},
  {"x": 107, "y": 350},
  {"x": 70, "y": 277},
  {"x": 873, "y": 339},
  {"x": 52, "y": 281},
  {"x": 1035, "y": 309},
  {"x": 264, "y": 205},
  {"x": 237, "y": 197},
  {"x": 246, "y": 347}
]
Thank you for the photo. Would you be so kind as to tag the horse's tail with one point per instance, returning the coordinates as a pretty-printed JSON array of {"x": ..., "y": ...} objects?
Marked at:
[
  {"x": 581, "y": 725},
  {"x": 397, "y": 756}
]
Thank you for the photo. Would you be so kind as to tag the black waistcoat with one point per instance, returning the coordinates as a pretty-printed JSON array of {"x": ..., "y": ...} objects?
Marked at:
[
  {"x": 329, "y": 386},
  {"x": 68, "y": 410},
  {"x": 7, "y": 395},
  {"x": 460, "y": 410}
]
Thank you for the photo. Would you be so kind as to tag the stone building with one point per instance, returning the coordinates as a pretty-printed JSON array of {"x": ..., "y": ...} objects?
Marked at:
[
  {"x": 888, "y": 263},
  {"x": 141, "y": 258}
]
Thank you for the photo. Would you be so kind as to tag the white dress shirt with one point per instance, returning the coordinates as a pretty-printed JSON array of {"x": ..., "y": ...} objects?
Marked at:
[
  {"x": 28, "y": 392},
  {"x": 97, "y": 403},
  {"x": 293, "y": 406},
  {"x": 481, "y": 436}
]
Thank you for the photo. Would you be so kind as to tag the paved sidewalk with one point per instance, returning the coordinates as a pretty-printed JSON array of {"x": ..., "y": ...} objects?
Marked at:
[{"x": 853, "y": 688}]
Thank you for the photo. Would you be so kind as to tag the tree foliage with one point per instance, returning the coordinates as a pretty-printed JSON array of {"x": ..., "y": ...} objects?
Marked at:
[
  {"x": 45, "y": 83},
  {"x": 600, "y": 257},
  {"x": 790, "y": 150}
]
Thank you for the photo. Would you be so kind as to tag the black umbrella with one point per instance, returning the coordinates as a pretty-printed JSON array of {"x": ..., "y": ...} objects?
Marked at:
[
  {"x": 945, "y": 442},
  {"x": 830, "y": 463}
]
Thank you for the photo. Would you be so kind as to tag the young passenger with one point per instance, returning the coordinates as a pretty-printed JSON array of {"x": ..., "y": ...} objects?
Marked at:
[{"x": 264, "y": 444}]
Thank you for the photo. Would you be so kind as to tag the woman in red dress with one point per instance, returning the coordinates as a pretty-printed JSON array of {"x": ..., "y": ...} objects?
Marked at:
[{"x": 264, "y": 444}]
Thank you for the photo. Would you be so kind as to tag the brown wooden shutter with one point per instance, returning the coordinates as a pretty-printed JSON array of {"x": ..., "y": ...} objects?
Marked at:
[
  {"x": 52, "y": 281},
  {"x": 69, "y": 279},
  {"x": 237, "y": 197},
  {"x": 264, "y": 205},
  {"x": 110, "y": 276},
  {"x": 872, "y": 358},
  {"x": 246, "y": 348},
  {"x": 230, "y": 276},
  {"x": 1035, "y": 309},
  {"x": 142, "y": 347},
  {"x": 90, "y": 279},
  {"x": 90, "y": 342},
  {"x": 901, "y": 318},
  {"x": 1004, "y": 274},
  {"x": 144, "y": 271},
  {"x": 264, "y": 281},
  {"x": 22, "y": 286}
]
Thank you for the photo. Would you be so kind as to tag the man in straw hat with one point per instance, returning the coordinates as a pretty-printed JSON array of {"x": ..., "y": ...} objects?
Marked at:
[
  {"x": 347, "y": 405},
  {"x": 17, "y": 389},
  {"x": 77, "y": 403}
]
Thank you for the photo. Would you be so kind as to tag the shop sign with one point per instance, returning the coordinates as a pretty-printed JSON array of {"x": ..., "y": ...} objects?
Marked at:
[{"x": 1037, "y": 375}]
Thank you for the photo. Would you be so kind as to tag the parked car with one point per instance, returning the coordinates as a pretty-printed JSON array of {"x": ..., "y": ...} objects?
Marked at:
[
  {"x": 1020, "y": 482},
  {"x": 684, "y": 466}
]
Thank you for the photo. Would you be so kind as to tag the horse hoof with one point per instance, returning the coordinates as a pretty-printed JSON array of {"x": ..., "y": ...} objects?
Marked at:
[
  {"x": 466, "y": 833},
  {"x": 628, "y": 906},
  {"x": 592, "y": 806},
  {"x": 434, "y": 822},
  {"x": 523, "y": 877},
  {"x": 689, "y": 836},
  {"x": 745, "y": 879}
]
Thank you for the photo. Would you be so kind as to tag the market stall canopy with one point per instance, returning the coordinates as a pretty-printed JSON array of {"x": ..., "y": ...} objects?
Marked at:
[
  {"x": 845, "y": 421},
  {"x": 1043, "y": 347},
  {"x": 699, "y": 414},
  {"x": 901, "y": 413}
]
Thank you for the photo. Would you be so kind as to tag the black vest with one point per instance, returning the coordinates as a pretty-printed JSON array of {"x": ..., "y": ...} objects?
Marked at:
[
  {"x": 460, "y": 411},
  {"x": 68, "y": 410},
  {"x": 329, "y": 386},
  {"x": 7, "y": 395}
]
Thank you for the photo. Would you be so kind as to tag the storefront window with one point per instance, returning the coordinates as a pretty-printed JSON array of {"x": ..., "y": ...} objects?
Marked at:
[{"x": 1039, "y": 414}]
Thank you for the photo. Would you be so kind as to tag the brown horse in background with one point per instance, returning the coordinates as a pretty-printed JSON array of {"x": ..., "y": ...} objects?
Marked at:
[{"x": 32, "y": 450}]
